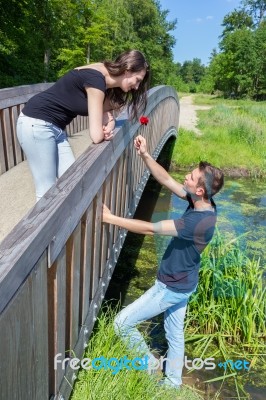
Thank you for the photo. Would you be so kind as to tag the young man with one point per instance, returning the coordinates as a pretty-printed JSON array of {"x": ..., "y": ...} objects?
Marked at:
[{"x": 177, "y": 277}]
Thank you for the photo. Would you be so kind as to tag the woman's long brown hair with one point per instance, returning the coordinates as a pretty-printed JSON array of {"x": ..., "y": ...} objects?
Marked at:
[{"x": 136, "y": 100}]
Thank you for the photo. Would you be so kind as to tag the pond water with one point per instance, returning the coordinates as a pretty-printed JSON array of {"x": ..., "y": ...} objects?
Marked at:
[{"x": 241, "y": 210}]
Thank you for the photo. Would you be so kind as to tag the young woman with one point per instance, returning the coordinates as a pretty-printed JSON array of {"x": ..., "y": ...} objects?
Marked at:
[{"x": 95, "y": 90}]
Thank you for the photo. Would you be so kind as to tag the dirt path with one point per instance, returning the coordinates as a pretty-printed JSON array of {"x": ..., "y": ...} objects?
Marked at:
[{"x": 188, "y": 114}]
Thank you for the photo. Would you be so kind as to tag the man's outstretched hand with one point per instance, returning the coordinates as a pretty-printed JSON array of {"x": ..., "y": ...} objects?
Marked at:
[
  {"x": 140, "y": 145},
  {"x": 106, "y": 213}
]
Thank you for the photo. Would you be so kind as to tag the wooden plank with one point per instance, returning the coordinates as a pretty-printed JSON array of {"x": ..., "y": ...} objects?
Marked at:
[
  {"x": 117, "y": 200},
  {"x": 123, "y": 185},
  {"x": 3, "y": 166},
  {"x": 24, "y": 89},
  {"x": 86, "y": 263},
  {"x": 135, "y": 168},
  {"x": 113, "y": 204},
  {"x": 24, "y": 339},
  {"x": 130, "y": 177},
  {"x": 40, "y": 331},
  {"x": 20, "y": 94},
  {"x": 78, "y": 124},
  {"x": 96, "y": 243},
  {"x": 17, "y": 149},
  {"x": 105, "y": 228},
  {"x": 127, "y": 181},
  {"x": 7, "y": 138},
  {"x": 57, "y": 322},
  {"x": 72, "y": 288}
]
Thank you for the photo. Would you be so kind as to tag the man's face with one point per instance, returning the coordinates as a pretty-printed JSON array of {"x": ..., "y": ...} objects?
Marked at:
[{"x": 191, "y": 182}]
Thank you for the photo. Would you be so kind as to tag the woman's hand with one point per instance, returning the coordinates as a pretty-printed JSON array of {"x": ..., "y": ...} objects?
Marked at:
[
  {"x": 101, "y": 123},
  {"x": 108, "y": 125}
]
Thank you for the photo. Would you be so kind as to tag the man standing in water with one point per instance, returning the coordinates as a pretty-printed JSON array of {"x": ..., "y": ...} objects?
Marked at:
[{"x": 177, "y": 277}]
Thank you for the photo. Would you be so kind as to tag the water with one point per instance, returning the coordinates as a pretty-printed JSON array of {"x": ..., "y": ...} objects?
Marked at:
[{"x": 241, "y": 210}]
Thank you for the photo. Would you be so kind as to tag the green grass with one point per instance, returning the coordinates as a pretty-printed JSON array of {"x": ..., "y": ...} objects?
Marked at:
[
  {"x": 233, "y": 136},
  {"x": 212, "y": 100},
  {"x": 126, "y": 384}
]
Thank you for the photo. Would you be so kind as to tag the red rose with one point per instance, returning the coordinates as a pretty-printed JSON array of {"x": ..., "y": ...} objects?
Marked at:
[{"x": 144, "y": 120}]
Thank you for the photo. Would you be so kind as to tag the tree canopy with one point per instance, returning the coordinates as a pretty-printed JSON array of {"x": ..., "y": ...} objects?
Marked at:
[
  {"x": 40, "y": 40},
  {"x": 239, "y": 69},
  {"x": 50, "y": 36}
]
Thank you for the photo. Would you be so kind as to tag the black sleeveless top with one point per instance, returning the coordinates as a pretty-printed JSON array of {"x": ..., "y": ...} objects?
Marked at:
[{"x": 66, "y": 99}]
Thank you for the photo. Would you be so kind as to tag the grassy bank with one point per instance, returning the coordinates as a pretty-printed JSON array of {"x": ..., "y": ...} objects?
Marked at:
[
  {"x": 233, "y": 137},
  {"x": 225, "y": 320},
  {"x": 104, "y": 384}
]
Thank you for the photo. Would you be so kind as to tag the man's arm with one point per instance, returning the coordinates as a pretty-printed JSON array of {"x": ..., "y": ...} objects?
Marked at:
[
  {"x": 166, "y": 228},
  {"x": 159, "y": 173}
]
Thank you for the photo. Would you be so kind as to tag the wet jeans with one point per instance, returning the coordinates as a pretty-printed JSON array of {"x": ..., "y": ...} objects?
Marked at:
[
  {"x": 159, "y": 298},
  {"x": 47, "y": 150}
]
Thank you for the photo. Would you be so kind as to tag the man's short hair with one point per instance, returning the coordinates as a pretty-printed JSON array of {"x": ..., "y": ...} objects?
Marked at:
[{"x": 211, "y": 179}]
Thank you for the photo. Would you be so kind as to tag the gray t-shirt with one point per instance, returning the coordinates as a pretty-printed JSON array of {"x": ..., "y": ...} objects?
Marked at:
[{"x": 180, "y": 264}]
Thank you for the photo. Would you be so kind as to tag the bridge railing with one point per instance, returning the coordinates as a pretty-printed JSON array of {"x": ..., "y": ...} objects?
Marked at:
[
  {"x": 12, "y": 101},
  {"x": 56, "y": 264}
]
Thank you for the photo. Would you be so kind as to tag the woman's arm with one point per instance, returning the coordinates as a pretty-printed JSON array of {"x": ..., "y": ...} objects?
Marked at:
[
  {"x": 108, "y": 123},
  {"x": 95, "y": 110}
]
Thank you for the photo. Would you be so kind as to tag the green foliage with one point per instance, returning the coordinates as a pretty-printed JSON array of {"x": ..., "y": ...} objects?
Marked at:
[
  {"x": 239, "y": 69},
  {"x": 192, "y": 71},
  {"x": 206, "y": 85},
  {"x": 256, "y": 9},
  {"x": 58, "y": 36}
]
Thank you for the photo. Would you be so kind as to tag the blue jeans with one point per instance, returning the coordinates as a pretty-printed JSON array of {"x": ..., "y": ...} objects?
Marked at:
[
  {"x": 159, "y": 298},
  {"x": 47, "y": 150}
]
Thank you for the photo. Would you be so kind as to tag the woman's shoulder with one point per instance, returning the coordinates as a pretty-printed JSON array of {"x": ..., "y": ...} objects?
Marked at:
[
  {"x": 98, "y": 67},
  {"x": 88, "y": 76}
]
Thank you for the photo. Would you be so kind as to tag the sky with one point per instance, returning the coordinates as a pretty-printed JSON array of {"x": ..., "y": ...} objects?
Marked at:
[{"x": 198, "y": 26}]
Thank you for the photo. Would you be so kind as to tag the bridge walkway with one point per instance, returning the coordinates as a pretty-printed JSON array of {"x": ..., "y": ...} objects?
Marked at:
[{"x": 17, "y": 191}]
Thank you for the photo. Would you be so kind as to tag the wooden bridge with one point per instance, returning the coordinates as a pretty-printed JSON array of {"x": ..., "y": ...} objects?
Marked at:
[{"x": 56, "y": 264}]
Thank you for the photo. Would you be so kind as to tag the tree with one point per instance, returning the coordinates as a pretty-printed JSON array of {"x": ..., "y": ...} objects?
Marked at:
[
  {"x": 192, "y": 71},
  {"x": 256, "y": 9},
  {"x": 50, "y": 37},
  {"x": 240, "y": 66},
  {"x": 260, "y": 75},
  {"x": 238, "y": 19},
  {"x": 153, "y": 36}
]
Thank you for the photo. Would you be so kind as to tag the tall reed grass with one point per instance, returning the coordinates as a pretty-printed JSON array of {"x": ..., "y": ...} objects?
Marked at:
[
  {"x": 226, "y": 316},
  {"x": 231, "y": 298}
]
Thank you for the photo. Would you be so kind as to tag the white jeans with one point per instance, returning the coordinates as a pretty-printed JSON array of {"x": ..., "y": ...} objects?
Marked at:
[
  {"x": 47, "y": 150},
  {"x": 159, "y": 298}
]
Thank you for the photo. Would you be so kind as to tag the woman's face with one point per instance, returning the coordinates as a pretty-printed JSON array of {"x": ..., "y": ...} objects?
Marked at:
[{"x": 132, "y": 80}]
